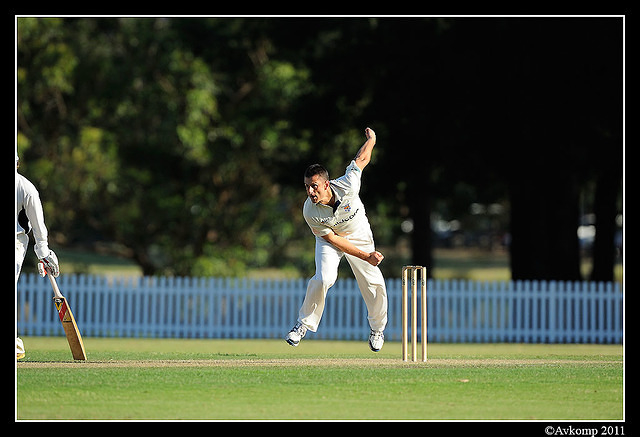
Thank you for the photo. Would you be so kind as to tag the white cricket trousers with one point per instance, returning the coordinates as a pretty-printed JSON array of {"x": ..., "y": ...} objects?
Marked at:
[
  {"x": 369, "y": 279},
  {"x": 22, "y": 242}
]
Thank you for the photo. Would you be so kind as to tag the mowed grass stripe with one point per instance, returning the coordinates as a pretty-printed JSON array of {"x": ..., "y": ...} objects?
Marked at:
[{"x": 256, "y": 380}]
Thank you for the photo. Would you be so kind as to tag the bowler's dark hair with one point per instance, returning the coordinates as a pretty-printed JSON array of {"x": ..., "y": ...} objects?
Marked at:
[{"x": 316, "y": 169}]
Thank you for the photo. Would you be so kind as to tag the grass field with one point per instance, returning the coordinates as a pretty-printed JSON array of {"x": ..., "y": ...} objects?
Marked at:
[{"x": 174, "y": 379}]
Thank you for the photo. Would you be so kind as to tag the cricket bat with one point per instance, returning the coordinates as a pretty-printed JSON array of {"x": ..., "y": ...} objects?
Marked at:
[{"x": 68, "y": 322}]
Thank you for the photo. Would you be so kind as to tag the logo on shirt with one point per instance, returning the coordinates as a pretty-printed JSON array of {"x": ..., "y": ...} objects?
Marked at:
[
  {"x": 347, "y": 207},
  {"x": 346, "y": 219}
]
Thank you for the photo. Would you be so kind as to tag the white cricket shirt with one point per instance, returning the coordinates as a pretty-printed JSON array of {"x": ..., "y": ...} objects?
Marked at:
[
  {"x": 348, "y": 217},
  {"x": 27, "y": 198}
]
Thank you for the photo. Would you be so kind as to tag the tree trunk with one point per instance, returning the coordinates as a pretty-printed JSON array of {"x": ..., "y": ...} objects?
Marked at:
[
  {"x": 608, "y": 187},
  {"x": 421, "y": 239},
  {"x": 544, "y": 221}
]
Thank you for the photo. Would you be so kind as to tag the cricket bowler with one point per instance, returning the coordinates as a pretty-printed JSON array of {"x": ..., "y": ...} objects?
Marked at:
[
  {"x": 336, "y": 215},
  {"x": 30, "y": 216}
]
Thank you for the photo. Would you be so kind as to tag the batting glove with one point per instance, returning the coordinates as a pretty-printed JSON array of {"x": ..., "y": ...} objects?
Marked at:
[{"x": 49, "y": 264}]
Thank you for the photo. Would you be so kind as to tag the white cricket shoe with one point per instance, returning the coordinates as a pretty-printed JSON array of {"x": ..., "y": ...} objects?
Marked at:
[
  {"x": 19, "y": 348},
  {"x": 376, "y": 340},
  {"x": 296, "y": 334}
]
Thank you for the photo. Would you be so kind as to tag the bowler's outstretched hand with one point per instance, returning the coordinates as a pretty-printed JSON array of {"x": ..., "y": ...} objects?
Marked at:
[{"x": 369, "y": 133}]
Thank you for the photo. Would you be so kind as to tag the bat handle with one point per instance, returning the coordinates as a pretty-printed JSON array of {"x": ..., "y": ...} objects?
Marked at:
[{"x": 54, "y": 285}]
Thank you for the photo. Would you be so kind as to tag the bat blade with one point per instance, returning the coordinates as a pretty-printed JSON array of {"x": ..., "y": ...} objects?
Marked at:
[{"x": 69, "y": 325}]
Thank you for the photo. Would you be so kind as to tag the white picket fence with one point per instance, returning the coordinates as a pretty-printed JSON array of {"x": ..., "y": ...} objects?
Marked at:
[{"x": 458, "y": 310}]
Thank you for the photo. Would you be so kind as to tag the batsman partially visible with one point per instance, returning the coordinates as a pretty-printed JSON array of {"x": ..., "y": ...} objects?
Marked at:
[{"x": 30, "y": 217}]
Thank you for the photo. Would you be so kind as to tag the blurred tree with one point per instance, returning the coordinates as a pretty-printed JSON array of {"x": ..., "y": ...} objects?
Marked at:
[
  {"x": 169, "y": 154},
  {"x": 569, "y": 126},
  {"x": 183, "y": 139}
]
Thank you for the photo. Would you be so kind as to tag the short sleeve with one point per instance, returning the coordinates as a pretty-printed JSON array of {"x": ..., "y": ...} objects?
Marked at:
[{"x": 350, "y": 181}]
